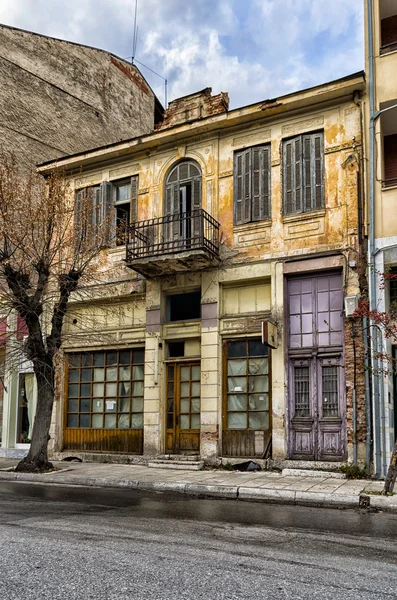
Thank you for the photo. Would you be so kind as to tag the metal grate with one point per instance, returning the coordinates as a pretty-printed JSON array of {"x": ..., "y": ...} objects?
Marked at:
[
  {"x": 330, "y": 391},
  {"x": 302, "y": 401},
  {"x": 173, "y": 233}
]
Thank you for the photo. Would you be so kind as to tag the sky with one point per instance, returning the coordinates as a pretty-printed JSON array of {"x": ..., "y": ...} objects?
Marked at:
[{"x": 253, "y": 49}]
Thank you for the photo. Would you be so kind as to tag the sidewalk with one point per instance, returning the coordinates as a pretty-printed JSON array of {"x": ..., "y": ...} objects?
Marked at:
[{"x": 263, "y": 486}]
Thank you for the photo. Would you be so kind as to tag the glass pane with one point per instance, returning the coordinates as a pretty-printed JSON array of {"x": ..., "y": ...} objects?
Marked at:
[
  {"x": 195, "y": 405},
  {"x": 124, "y": 405},
  {"x": 256, "y": 348},
  {"x": 258, "y": 401},
  {"x": 237, "y": 421},
  {"x": 258, "y": 384},
  {"x": 85, "y": 405},
  {"x": 237, "y": 367},
  {"x": 111, "y": 374},
  {"x": 111, "y": 405},
  {"x": 85, "y": 389},
  {"x": 137, "y": 388},
  {"x": 73, "y": 420},
  {"x": 73, "y": 406},
  {"x": 97, "y": 406},
  {"x": 258, "y": 366},
  {"x": 195, "y": 421},
  {"x": 184, "y": 420},
  {"x": 123, "y": 192},
  {"x": 196, "y": 388},
  {"x": 97, "y": 421},
  {"x": 236, "y": 402},
  {"x": 170, "y": 388},
  {"x": 196, "y": 373},
  {"x": 111, "y": 389},
  {"x": 124, "y": 421},
  {"x": 236, "y": 384},
  {"x": 137, "y": 421},
  {"x": 98, "y": 389},
  {"x": 110, "y": 421},
  {"x": 111, "y": 358},
  {"x": 301, "y": 389},
  {"x": 86, "y": 375},
  {"x": 170, "y": 405},
  {"x": 99, "y": 358},
  {"x": 236, "y": 349},
  {"x": 73, "y": 391},
  {"x": 137, "y": 372},
  {"x": 85, "y": 420},
  {"x": 124, "y": 388},
  {"x": 137, "y": 405},
  {"x": 185, "y": 405},
  {"x": 185, "y": 389},
  {"x": 99, "y": 374},
  {"x": 185, "y": 373},
  {"x": 124, "y": 373},
  {"x": 259, "y": 420},
  {"x": 330, "y": 391},
  {"x": 74, "y": 360},
  {"x": 73, "y": 375},
  {"x": 171, "y": 373},
  {"x": 170, "y": 421},
  {"x": 125, "y": 358},
  {"x": 138, "y": 356},
  {"x": 86, "y": 360}
]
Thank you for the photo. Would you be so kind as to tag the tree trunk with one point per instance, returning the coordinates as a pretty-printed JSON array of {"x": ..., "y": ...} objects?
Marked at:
[
  {"x": 37, "y": 459},
  {"x": 391, "y": 473}
]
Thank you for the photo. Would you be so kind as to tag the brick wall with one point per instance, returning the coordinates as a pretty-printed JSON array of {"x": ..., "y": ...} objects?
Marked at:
[
  {"x": 194, "y": 106},
  {"x": 355, "y": 335}
]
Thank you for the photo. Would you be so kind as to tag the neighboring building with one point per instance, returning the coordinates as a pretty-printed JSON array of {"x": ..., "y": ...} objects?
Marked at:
[
  {"x": 58, "y": 98},
  {"x": 380, "y": 122},
  {"x": 236, "y": 218}
]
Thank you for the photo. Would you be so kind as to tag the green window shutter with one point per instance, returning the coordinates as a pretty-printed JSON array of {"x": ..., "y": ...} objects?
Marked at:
[
  {"x": 260, "y": 203},
  {"x": 242, "y": 187},
  {"x": 134, "y": 198}
]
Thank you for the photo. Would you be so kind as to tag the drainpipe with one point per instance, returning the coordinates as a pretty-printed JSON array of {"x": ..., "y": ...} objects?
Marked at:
[
  {"x": 372, "y": 274},
  {"x": 368, "y": 405},
  {"x": 354, "y": 396}
]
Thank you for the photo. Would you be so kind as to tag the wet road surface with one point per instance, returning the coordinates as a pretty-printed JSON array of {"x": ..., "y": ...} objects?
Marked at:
[{"x": 75, "y": 543}]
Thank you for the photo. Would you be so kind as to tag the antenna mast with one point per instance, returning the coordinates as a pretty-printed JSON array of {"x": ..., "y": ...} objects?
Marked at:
[{"x": 135, "y": 38}]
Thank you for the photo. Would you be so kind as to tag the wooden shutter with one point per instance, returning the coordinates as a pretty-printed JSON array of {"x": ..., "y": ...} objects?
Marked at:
[
  {"x": 196, "y": 206},
  {"x": 242, "y": 187},
  {"x": 318, "y": 170},
  {"x": 297, "y": 174},
  {"x": 307, "y": 173},
  {"x": 105, "y": 214},
  {"x": 79, "y": 219},
  {"x": 171, "y": 210},
  {"x": 260, "y": 193},
  {"x": 313, "y": 171},
  {"x": 288, "y": 176},
  {"x": 134, "y": 199}
]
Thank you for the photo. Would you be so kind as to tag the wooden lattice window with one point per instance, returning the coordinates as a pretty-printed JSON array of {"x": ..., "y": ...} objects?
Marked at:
[
  {"x": 303, "y": 173},
  {"x": 252, "y": 184},
  {"x": 105, "y": 389}
]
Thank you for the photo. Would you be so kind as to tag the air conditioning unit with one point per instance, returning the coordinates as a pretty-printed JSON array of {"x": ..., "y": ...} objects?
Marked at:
[{"x": 351, "y": 305}]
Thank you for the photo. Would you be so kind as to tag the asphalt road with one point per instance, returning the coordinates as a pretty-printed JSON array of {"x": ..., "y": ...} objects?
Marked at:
[{"x": 77, "y": 543}]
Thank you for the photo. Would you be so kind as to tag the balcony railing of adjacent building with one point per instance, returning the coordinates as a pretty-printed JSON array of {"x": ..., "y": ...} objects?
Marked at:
[{"x": 184, "y": 232}]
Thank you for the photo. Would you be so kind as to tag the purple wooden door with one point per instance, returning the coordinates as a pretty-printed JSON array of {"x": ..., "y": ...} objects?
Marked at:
[{"x": 317, "y": 406}]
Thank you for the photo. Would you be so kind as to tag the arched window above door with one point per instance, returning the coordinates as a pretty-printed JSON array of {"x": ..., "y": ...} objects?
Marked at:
[{"x": 182, "y": 201}]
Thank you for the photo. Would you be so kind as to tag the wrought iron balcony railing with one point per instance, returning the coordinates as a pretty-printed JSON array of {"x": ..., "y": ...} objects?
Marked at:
[{"x": 194, "y": 230}]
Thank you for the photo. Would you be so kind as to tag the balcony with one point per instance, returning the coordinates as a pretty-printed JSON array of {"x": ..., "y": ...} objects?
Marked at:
[{"x": 173, "y": 244}]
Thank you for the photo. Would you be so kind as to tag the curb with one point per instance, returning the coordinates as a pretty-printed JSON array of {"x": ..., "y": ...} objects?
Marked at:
[{"x": 270, "y": 496}]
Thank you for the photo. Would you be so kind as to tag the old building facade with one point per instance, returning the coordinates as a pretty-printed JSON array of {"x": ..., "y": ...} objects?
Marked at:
[
  {"x": 57, "y": 98},
  {"x": 238, "y": 221}
]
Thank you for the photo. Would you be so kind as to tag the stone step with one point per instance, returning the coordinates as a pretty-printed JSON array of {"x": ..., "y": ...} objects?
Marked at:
[
  {"x": 186, "y": 465},
  {"x": 178, "y": 457},
  {"x": 312, "y": 473}
]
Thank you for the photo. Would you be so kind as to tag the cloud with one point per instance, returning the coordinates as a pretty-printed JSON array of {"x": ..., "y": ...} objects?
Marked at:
[{"x": 254, "y": 49}]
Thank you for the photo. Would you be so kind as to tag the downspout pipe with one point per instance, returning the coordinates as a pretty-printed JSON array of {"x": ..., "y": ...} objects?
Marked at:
[{"x": 372, "y": 273}]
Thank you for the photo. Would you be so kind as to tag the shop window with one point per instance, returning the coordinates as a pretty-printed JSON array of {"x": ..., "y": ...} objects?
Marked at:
[
  {"x": 184, "y": 307},
  {"x": 247, "y": 385},
  {"x": 105, "y": 389}
]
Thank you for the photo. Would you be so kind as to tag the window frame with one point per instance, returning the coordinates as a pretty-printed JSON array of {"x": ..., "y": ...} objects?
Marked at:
[
  {"x": 260, "y": 190},
  {"x": 299, "y": 144}
]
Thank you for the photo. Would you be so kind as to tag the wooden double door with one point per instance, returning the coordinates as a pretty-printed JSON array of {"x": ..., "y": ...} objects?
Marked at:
[{"x": 183, "y": 408}]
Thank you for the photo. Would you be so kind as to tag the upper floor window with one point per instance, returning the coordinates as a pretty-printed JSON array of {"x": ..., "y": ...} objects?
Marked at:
[
  {"x": 388, "y": 26},
  {"x": 182, "y": 202},
  {"x": 252, "y": 184},
  {"x": 303, "y": 173},
  {"x": 106, "y": 210},
  {"x": 390, "y": 160}
]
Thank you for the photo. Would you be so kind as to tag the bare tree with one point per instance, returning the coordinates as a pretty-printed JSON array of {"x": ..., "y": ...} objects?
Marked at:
[{"x": 47, "y": 250}]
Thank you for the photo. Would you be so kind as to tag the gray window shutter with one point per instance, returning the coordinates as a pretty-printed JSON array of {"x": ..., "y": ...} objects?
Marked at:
[
  {"x": 297, "y": 174},
  {"x": 318, "y": 170},
  {"x": 196, "y": 206},
  {"x": 171, "y": 211},
  {"x": 288, "y": 177},
  {"x": 79, "y": 220},
  {"x": 307, "y": 173},
  {"x": 134, "y": 199},
  {"x": 260, "y": 194},
  {"x": 105, "y": 214},
  {"x": 242, "y": 187}
]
